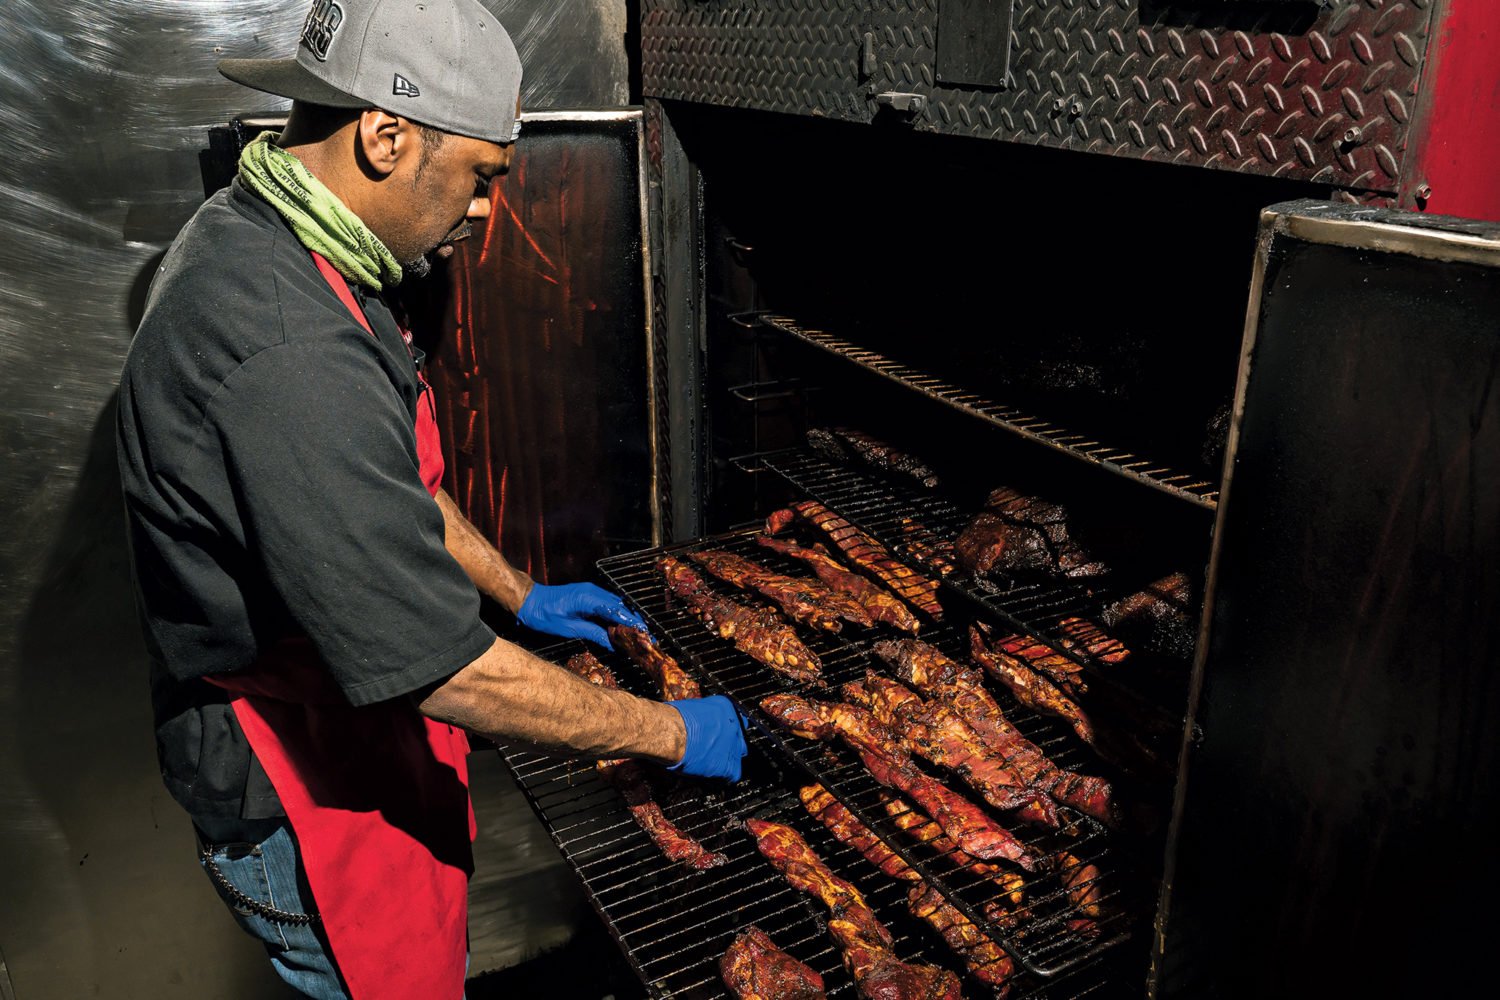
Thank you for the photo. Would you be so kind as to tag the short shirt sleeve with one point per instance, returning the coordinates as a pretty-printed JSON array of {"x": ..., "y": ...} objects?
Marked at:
[{"x": 321, "y": 456}]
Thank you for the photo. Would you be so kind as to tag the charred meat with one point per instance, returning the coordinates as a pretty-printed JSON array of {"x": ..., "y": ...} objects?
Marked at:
[
  {"x": 925, "y": 668},
  {"x": 927, "y": 549},
  {"x": 936, "y": 733},
  {"x": 1018, "y": 534},
  {"x": 865, "y": 553},
  {"x": 865, "y": 941},
  {"x": 630, "y": 781},
  {"x": 1029, "y": 687},
  {"x": 888, "y": 763},
  {"x": 664, "y": 670},
  {"x": 840, "y": 444},
  {"x": 756, "y": 632},
  {"x": 878, "y": 603},
  {"x": 1162, "y": 616},
  {"x": 810, "y": 602},
  {"x": 755, "y": 969}
]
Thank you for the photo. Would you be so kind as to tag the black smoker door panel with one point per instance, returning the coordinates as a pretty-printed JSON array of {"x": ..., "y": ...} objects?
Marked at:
[{"x": 1336, "y": 828}]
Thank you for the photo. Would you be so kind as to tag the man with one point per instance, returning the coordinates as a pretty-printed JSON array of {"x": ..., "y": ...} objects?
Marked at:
[{"x": 309, "y": 592}]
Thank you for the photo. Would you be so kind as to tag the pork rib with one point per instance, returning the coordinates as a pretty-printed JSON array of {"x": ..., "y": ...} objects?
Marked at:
[
  {"x": 879, "y": 604},
  {"x": 986, "y": 960},
  {"x": 925, "y": 668},
  {"x": 755, "y": 969},
  {"x": 840, "y": 444},
  {"x": 808, "y": 601},
  {"x": 1082, "y": 882},
  {"x": 927, "y": 549},
  {"x": 636, "y": 644},
  {"x": 1030, "y": 688},
  {"x": 1006, "y": 910},
  {"x": 1016, "y": 533},
  {"x": 867, "y": 555},
  {"x": 756, "y": 632},
  {"x": 888, "y": 764},
  {"x": 936, "y": 733},
  {"x": 630, "y": 781},
  {"x": 865, "y": 941}
]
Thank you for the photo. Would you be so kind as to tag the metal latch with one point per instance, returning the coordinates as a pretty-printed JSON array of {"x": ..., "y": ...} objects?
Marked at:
[{"x": 902, "y": 103}]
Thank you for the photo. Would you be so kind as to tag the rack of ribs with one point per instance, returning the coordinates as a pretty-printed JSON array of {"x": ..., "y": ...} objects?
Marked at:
[
  {"x": 840, "y": 444},
  {"x": 964, "y": 822},
  {"x": 925, "y": 668},
  {"x": 986, "y": 960},
  {"x": 1017, "y": 533},
  {"x": 636, "y": 644},
  {"x": 927, "y": 549},
  {"x": 866, "y": 943},
  {"x": 808, "y": 601},
  {"x": 755, "y": 969},
  {"x": 936, "y": 733},
  {"x": 867, "y": 555},
  {"x": 1007, "y": 910},
  {"x": 1030, "y": 688},
  {"x": 630, "y": 781},
  {"x": 1081, "y": 880},
  {"x": 879, "y": 604},
  {"x": 756, "y": 632}
]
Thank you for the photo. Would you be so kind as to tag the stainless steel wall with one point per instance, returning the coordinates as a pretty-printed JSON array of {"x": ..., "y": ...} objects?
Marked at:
[{"x": 104, "y": 108}]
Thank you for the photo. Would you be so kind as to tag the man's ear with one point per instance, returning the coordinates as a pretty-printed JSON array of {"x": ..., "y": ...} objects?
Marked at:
[{"x": 383, "y": 140}]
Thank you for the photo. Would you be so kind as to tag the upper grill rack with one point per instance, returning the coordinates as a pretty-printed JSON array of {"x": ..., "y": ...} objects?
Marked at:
[
  {"x": 1183, "y": 485},
  {"x": 1047, "y": 948},
  {"x": 1148, "y": 689},
  {"x": 673, "y": 924}
]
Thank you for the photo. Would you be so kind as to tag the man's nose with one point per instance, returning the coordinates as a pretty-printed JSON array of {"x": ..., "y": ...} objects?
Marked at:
[{"x": 479, "y": 209}]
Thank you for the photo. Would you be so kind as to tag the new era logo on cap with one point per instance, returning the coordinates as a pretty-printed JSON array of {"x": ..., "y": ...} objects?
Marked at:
[
  {"x": 404, "y": 87},
  {"x": 319, "y": 28}
]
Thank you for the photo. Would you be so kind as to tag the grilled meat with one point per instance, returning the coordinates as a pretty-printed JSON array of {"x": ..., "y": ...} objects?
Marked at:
[
  {"x": 674, "y": 683},
  {"x": 1084, "y": 634},
  {"x": 756, "y": 632},
  {"x": 1016, "y": 534},
  {"x": 829, "y": 811},
  {"x": 755, "y": 969},
  {"x": 630, "y": 781},
  {"x": 1162, "y": 616},
  {"x": 865, "y": 553},
  {"x": 986, "y": 960},
  {"x": 888, "y": 764},
  {"x": 1081, "y": 881},
  {"x": 878, "y": 974},
  {"x": 924, "y": 831},
  {"x": 960, "y": 685},
  {"x": 841, "y": 444},
  {"x": 808, "y": 601},
  {"x": 927, "y": 549},
  {"x": 1062, "y": 670},
  {"x": 877, "y": 602},
  {"x": 937, "y": 733},
  {"x": 1030, "y": 688}
]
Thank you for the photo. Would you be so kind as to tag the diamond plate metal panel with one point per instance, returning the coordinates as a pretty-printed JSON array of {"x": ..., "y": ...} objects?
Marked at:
[{"x": 1323, "y": 94}]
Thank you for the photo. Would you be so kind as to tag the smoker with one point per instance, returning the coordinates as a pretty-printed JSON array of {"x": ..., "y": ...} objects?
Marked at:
[{"x": 1027, "y": 265}]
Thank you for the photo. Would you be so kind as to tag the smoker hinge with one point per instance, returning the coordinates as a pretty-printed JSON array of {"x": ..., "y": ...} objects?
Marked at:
[{"x": 867, "y": 56}]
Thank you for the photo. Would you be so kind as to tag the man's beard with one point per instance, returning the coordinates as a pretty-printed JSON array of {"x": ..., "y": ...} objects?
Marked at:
[{"x": 421, "y": 267}]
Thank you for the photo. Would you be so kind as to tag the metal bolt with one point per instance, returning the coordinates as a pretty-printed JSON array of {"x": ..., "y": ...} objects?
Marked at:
[
  {"x": 1075, "y": 107},
  {"x": 1423, "y": 192},
  {"x": 1058, "y": 103},
  {"x": 1353, "y": 136}
]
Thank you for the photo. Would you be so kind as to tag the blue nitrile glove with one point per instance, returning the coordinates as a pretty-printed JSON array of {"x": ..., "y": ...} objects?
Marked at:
[
  {"x": 715, "y": 737},
  {"x": 565, "y": 610}
]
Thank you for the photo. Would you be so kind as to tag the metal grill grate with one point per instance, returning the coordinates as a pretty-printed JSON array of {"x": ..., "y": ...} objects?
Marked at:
[
  {"x": 1047, "y": 947},
  {"x": 1179, "y": 484},
  {"x": 673, "y": 924}
]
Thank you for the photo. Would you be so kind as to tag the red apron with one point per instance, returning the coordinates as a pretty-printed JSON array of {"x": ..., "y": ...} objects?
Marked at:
[{"x": 377, "y": 796}]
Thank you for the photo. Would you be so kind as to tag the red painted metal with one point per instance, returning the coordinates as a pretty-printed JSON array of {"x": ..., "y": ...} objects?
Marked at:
[{"x": 1453, "y": 167}]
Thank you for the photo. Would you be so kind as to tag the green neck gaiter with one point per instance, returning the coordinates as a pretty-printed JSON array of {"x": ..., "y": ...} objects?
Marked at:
[{"x": 320, "y": 220}]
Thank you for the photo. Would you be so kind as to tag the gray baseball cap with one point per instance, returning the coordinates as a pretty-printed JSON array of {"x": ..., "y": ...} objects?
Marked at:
[{"x": 444, "y": 63}]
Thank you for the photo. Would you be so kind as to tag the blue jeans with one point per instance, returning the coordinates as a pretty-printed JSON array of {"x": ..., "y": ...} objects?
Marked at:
[{"x": 259, "y": 859}]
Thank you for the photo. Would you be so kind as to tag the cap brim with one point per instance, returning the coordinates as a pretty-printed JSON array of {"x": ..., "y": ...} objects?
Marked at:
[{"x": 287, "y": 78}]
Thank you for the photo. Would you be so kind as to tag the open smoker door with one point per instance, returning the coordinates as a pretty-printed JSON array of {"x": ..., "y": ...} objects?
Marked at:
[
  {"x": 539, "y": 345},
  {"x": 1333, "y": 833}
]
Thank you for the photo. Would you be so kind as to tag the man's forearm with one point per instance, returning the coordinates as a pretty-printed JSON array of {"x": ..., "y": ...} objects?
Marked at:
[
  {"x": 492, "y": 575},
  {"x": 508, "y": 694}
]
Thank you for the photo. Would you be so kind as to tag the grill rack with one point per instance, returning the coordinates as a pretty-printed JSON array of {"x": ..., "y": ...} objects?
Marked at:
[
  {"x": 672, "y": 924},
  {"x": 1048, "y": 949},
  {"x": 1185, "y": 486},
  {"x": 1149, "y": 690}
]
